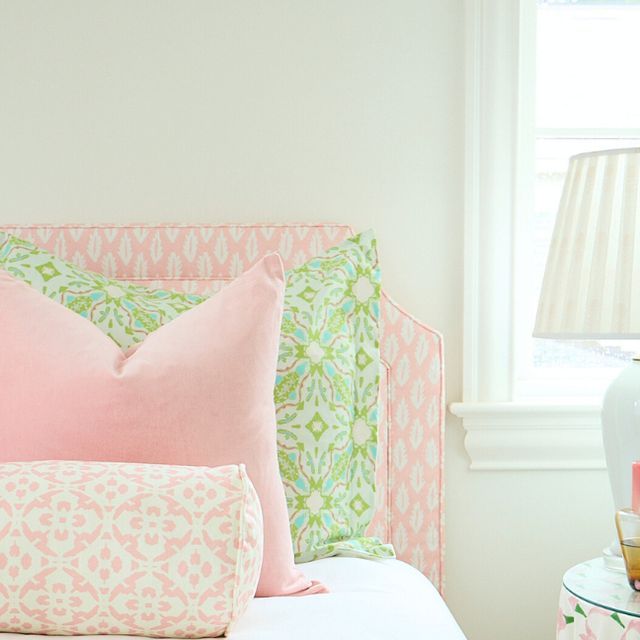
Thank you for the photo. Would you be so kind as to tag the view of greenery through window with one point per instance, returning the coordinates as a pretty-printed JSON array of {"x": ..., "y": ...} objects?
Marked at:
[{"x": 587, "y": 98}]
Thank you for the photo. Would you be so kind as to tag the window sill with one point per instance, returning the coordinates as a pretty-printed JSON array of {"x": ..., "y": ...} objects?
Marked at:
[{"x": 515, "y": 436}]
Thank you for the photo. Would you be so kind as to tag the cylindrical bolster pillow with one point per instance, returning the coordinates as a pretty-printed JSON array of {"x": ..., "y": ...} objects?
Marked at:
[{"x": 131, "y": 549}]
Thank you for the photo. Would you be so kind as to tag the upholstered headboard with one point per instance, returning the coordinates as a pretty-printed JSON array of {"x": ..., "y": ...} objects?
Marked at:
[{"x": 201, "y": 258}]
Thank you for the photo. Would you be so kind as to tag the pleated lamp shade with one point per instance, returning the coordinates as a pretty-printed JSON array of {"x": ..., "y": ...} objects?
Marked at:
[{"x": 591, "y": 286}]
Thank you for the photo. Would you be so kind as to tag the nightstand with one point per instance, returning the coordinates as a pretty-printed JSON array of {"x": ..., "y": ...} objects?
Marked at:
[{"x": 597, "y": 604}]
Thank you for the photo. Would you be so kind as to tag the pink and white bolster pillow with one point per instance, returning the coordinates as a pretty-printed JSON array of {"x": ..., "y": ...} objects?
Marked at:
[{"x": 126, "y": 548}]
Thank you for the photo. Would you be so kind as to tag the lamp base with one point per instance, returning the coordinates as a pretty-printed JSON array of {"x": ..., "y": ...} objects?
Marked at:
[
  {"x": 621, "y": 431},
  {"x": 621, "y": 439}
]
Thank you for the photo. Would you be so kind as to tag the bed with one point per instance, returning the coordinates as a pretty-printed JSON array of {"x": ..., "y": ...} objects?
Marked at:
[{"x": 369, "y": 598}]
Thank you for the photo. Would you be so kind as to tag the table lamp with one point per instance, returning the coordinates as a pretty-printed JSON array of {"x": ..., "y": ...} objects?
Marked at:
[{"x": 591, "y": 287}]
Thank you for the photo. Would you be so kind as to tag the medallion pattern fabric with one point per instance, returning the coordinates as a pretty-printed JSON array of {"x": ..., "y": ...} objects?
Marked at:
[
  {"x": 327, "y": 400},
  {"x": 125, "y": 312},
  {"x": 326, "y": 392},
  {"x": 199, "y": 259},
  {"x": 120, "y": 548}
]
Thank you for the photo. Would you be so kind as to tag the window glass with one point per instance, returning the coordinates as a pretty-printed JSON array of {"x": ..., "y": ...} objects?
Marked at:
[
  {"x": 587, "y": 98},
  {"x": 587, "y": 64}
]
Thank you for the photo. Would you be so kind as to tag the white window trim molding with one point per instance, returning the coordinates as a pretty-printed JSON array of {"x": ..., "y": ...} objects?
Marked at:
[
  {"x": 516, "y": 437},
  {"x": 499, "y": 134},
  {"x": 494, "y": 121}
]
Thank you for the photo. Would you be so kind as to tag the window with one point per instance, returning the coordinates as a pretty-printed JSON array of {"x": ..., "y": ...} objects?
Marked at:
[
  {"x": 587, "y": 98},
  {"x": 531, "y": 404}
]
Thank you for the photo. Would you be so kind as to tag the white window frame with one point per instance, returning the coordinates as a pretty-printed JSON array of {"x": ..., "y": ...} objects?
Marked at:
[{"x": 499, "y": 170}]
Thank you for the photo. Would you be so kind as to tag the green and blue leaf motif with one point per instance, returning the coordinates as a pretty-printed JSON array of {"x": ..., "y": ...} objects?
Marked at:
[
  {"x": 326, "y": 391},
  {"x": 127, "y": 313},
  {"x": 327, "y": 400}
]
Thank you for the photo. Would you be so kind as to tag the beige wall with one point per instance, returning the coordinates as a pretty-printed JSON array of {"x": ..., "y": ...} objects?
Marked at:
[{"x": 345, "y": 110}]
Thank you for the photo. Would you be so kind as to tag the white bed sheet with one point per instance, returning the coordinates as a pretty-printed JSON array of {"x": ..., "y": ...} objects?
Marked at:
[{"x": 369, "y": 600}]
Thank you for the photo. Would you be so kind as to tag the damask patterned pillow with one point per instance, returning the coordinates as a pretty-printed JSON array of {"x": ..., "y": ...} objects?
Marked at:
[
  {"x": 327, "y": 386},
  {"x": 128, "y": 549}
]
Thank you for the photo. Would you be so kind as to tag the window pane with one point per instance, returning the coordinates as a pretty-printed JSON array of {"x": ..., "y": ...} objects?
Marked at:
[{"x": 587, "y": 64}]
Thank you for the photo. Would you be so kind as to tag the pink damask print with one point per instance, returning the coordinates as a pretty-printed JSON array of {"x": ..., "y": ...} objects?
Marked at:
[{"x": 132, "y": 549}]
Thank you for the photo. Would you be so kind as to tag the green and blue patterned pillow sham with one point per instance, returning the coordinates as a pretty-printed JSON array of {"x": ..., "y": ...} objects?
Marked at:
[{"x": 326, "y": 391}]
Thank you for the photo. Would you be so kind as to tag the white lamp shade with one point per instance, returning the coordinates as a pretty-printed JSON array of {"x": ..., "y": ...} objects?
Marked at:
[{"x": 591, "y": 286}]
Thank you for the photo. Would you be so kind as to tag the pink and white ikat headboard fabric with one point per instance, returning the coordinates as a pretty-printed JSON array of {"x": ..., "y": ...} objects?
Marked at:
[{"x": 202, "y": 258}]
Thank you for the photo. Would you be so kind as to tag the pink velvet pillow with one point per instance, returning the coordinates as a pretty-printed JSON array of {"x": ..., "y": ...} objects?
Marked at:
[{"x": 198, "y": 391}]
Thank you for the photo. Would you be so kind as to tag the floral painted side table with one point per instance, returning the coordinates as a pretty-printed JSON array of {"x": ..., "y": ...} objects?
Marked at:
[{"x": 597, "y": 603}]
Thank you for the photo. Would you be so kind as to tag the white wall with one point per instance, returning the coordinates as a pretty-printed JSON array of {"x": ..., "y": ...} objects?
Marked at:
[{"x": 345, "y": 110}]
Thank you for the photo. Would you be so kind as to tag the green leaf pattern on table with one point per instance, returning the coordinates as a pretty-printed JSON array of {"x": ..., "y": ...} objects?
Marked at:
[
  {"x": 326, "y": 391},
  {"x": 596, "y": 623},
  {"x": 579, "y": 619}
]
